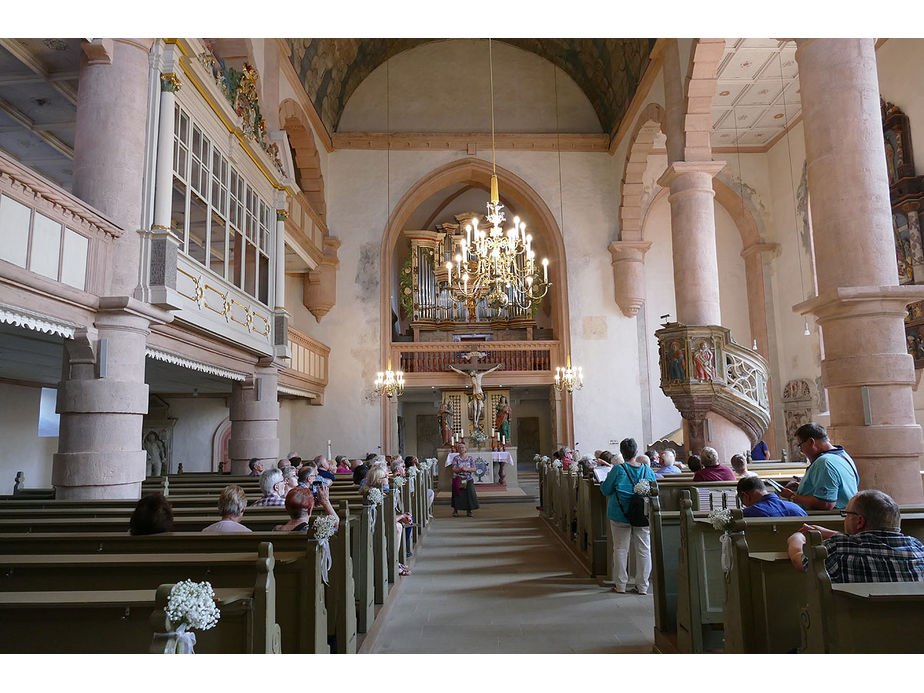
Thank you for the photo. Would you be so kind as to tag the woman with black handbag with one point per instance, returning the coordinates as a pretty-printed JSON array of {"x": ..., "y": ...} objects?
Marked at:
[{"x": 625, "y": 510}]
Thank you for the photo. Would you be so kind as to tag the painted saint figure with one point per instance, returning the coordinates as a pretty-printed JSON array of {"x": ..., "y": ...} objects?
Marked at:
[
  {"x": 502, "y": 418},
  {"x": 704, "y": 359},
  {"x": 476, "y": 399},
  {"x": 676, "y": 368},
  {"x": 445, "y": 418}
]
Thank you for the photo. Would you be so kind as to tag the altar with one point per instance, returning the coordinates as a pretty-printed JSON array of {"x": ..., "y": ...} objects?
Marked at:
[{"x": 486, "y": 465}]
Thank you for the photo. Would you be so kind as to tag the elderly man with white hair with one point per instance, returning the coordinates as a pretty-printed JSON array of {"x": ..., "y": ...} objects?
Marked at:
[
  {"x": 273, "y": 485},
  {"x": 666, "y": 465}
]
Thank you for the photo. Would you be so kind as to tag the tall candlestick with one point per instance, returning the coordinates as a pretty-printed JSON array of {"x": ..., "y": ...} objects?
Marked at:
[{"x": 328, "y": 451}]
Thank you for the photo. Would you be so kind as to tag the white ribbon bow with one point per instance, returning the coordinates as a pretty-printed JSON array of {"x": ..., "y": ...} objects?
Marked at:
[
  {"x": 326, "y": 561},
  {"x": 726, "y": 541},
  {"x": 185, "y": 639}
]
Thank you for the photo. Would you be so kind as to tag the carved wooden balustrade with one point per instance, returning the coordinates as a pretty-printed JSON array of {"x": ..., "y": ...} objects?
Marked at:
[
  {"x": 427, "y": 363},
  {"x": 703, "y": 369},
  {"x": 307, "y": 373}
]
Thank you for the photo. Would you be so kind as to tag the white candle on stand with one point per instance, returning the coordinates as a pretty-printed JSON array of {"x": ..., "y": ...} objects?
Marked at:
[{"x": 328, "y": 451}]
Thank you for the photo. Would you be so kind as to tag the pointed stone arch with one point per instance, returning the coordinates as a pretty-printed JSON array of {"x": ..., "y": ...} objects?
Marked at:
[{"x": 307, "y": 160}]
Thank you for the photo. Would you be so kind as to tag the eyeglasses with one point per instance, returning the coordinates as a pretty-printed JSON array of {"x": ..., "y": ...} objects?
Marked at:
[{"x": 845, "y": 513}]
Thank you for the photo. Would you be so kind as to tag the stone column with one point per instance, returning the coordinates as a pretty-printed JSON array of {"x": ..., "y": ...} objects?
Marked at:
[
  {"x": 102, "y": 400},
  {"x": 860, "y": 306},
  {"x": 109, "y": 144},
  {"x": 696, "y": 268},
  {"x": 254, "y": 414}
]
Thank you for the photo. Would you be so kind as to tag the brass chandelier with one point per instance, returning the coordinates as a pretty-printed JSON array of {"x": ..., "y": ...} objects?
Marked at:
[{"x": 491, "y": 262}]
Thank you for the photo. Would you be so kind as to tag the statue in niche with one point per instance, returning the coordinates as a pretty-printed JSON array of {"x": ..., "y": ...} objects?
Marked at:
[
  {"x": 19, "y": 483},
  {"x": 704, "y": 361},
  {"x": 502, "y": 418},
  {"x": 676, "y": 363},
  {"x": 476, "y": 399},
  {"x": 156, "y": 449},
  {"x": 445, "y": 418}
]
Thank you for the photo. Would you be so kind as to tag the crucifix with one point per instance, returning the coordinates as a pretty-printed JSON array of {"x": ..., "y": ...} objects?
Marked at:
[{"x": 475, "y": 372}]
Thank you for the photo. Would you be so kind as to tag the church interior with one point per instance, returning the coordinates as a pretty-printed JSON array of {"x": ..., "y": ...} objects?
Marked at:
[{"x": 221, "y": 250}]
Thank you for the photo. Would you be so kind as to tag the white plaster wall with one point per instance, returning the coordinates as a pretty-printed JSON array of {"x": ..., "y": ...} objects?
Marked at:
[
  {"x": 899, "y": 61},
  {"x": 659, "y": 291},
  {"x": 792, "y": 277},
  {"x": 197, "y": 418},
  {"x": 22, "y": 449},
  {"x": 733, "y": 290},
  {"x": 444, "y": 86}
]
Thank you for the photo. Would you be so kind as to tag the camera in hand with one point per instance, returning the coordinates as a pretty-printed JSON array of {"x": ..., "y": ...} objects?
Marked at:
[{"x": 315, "y": 485}]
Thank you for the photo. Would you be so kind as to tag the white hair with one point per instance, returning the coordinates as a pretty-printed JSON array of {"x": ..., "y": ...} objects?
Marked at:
[
  {"x": 668, "y": 455},
  {"x": 644, "y": 459},
  {"x": 379, "y": 461},
  {"x": 268, "y": 480}
]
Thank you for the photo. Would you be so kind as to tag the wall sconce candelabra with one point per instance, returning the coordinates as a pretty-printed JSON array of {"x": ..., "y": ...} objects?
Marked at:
[
  {"x": 569, "y": 378},
  {"x": 390, "y": 383}
]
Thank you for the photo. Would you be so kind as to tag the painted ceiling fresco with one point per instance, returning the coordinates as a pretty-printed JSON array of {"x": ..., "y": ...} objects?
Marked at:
[{"x": 608, "y": 70}]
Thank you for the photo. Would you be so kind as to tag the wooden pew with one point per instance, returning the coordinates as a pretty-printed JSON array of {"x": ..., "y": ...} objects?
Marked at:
[
  {"x": 300, "y": 607},
  {"x": 119, "y": 622},
  {"x": 861, "y": 617},
  {"x": 764, "y": 593}
]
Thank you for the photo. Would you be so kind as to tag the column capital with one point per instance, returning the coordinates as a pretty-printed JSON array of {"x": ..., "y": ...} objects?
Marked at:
[
  {"x": 170, "y": 82},
  {"x": 679, "y": 168},
  {"x": 772, "y": 249},
  {"x": 847, "y": 301},
  {"x": 628, "y": 250}
]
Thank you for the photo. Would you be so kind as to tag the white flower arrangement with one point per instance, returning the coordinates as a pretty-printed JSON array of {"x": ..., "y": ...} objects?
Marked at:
[
  {"x": 536, "y": 458},
  {"x": 643, "y": 487},
  {"x": 398, "y": 481},
  {"x": 374, "y": 495},
  {"x": 411, "y": 472},
  {"x": 557, "y": 464},
  {"x": 192, "y": 605},
  {"x": 323, "y": 527},
  {"x": 720, "y": 518},
  {"x": 545, "y": 458}
]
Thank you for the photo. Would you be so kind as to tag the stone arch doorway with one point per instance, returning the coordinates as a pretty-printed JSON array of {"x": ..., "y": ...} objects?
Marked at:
[
  {"x": 220, "y": 439},
  {"x": 517, "y": 194}
]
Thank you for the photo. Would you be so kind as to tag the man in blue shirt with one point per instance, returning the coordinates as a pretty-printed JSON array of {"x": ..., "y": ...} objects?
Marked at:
[
  {"x": 832, "y": 478},
  {"x": 667, "y": 465},
  {"x": 760, "y": 502}
]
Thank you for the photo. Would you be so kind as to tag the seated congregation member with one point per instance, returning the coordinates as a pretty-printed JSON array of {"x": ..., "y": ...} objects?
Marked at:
[
  {"x": 299, "y": 503},
  {"x": 376, "y": 477},
  {"x": 760, "y": 501},
  {"x": 306, "y": 474},
  {"x": 256, "y": 467},
  {"x": 831, "y": 479},
  {"x": 872, "y": 547},
  {"x": 712, "y": 470},
  {"x": 324, "y": 470},
  {"x": 360, "y": 471},
  {"x": 273, "y": 486},
  {"x": 231, "y": 504},
  {"x": 739, "y": 465},
  {"x": 343, "y": 465},
  {"x": 619, "y": 486},
  {"x": 694, "y": 463},
  {"x": 289, "y": 477},
  {"x": 667, "y": 465},
  {"x": 152, "y": 515}
]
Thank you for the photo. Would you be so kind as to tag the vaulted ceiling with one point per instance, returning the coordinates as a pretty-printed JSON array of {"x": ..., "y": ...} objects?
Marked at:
[{"x": 608, "y": 70}]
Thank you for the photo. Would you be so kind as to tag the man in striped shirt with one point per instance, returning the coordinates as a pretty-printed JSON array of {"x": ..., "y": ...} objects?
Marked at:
[{"x": 872, "y": 547}]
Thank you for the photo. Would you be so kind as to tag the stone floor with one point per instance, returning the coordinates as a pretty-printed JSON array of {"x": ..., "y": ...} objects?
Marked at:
[{"x": 500, "y": 582}]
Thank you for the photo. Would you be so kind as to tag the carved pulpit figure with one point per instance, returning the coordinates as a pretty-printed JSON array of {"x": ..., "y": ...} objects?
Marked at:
[{"x": 476, "y": 398}]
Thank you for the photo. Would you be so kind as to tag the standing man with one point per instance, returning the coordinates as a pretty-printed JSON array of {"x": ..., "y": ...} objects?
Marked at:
[{"x": 832, "y": 478}]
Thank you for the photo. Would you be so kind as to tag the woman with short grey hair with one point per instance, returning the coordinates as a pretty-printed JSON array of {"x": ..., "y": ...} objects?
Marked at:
[{"x": 231, "y": 504}]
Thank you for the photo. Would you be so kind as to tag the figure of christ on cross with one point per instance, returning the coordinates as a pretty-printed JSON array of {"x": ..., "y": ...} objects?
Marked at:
[{"x": 476, "y": 399}]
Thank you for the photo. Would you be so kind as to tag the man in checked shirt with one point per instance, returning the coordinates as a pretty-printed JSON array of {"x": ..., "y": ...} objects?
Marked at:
[{"x": 872, "y": 547}]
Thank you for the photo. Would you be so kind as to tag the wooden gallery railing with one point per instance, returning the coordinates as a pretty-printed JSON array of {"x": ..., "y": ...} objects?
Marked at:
[
  {"x": 531, "y": 362},
  {"x": 307, "y": 373}
]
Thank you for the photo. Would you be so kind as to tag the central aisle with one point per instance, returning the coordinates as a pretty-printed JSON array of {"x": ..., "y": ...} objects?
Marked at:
[{"x": 500, "y": 582}]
